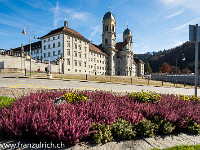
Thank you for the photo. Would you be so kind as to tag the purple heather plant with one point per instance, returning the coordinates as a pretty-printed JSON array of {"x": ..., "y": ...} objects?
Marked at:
[{"x": 38, "y": 115}]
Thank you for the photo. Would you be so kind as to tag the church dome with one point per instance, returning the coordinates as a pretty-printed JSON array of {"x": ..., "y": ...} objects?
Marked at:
[
  {"x": 108, "y": 15},
  {"x": 127, "y": 31}
]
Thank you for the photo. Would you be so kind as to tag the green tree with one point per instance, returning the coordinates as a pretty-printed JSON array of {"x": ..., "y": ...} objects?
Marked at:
[{"x": 147, "y": 68}]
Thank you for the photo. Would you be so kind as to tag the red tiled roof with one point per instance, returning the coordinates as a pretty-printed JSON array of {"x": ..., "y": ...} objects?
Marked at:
[
  {"x": 67, "y": 30},
  {"x": 137, "y": 60},
  {"x": 120, "y": 45},
  {"x": 94, "y": 48}
]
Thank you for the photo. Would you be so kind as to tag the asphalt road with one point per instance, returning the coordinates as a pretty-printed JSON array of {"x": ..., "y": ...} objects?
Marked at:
[{"x": 90, "y": 85}]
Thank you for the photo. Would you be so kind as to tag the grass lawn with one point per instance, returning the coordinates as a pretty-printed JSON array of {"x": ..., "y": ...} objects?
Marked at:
[
  {"x": 113, "y": 79},
  {"x": 183, "y": 147}
]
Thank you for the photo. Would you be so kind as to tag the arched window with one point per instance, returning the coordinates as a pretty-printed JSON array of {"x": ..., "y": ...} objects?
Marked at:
[
  {"x": 107, "y": 28},
  {"x": 106, "y": 41},
  {"x": 113, "y": 28}
]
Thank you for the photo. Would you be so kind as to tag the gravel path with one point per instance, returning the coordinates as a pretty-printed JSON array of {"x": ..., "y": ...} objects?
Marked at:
[{"x": 136, "y": 144}]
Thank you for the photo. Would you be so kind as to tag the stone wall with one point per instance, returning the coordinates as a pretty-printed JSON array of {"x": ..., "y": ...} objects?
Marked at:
[{"x": 21, "y": 63}]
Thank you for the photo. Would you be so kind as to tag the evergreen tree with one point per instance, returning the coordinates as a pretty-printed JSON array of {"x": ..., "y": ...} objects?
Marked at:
[{"x": 147, "y": 68}]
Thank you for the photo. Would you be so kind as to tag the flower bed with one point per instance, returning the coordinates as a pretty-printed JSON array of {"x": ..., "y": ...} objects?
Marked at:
[{"x": 97, "y": 115}]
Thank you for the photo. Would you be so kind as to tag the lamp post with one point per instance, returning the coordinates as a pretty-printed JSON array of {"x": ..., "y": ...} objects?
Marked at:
[{"x": 24, "y": 32}]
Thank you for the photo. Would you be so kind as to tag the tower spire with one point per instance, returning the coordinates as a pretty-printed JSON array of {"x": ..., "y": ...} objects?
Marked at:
[{"x": 109, "y": 7}]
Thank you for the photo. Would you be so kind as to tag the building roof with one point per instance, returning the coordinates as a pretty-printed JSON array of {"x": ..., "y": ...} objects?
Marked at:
[
  {"x": 120, "y": 45},
  {"x": 93, "y": 47},
  {"x": 138, "y": 60},
  {"x": 66, "y": 30},
  {"x": 108, "y": 15},
  {"x": 34, "y": 46},
  {"x": 127, "y": 31}
]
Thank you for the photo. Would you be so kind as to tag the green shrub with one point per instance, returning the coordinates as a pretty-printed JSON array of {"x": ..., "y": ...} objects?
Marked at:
[
  {"x": 122, "y": 129},
  {"x": 145, "y": 97},
  {"x": 6, "y": 101},
  {"x": 192, "y": 126},
  {"x": 163, "y": 126},
  {"x": 145, "y": 128},
  {"x": 74, "y": 97},
  {"x": 102, "y": 133}
]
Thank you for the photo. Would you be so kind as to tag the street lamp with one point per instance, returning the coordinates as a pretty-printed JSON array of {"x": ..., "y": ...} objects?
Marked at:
[
  {"x": 24, "y": 32},
  {"x": 183, "y": 59}
]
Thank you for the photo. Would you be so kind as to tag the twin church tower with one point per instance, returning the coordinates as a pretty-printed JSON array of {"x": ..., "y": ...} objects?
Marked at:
[{"x": 120, "y": 56}]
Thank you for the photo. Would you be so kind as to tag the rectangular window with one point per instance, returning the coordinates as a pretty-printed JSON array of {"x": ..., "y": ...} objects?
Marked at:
[
  {"x": 54, "y": 45},
  {"x": 68, "y": 44},
  {"x": 44, "y": 41},
  {"x": 75, "y": 46},
  {"x": 75, "y": 62},
  {"x": 85, "y": 63},
  {"x": 58, "y": 44},
  {"x": 49, "y": 46},
  {"x": 79, "y": 70},
  {"x": 48, "y": 39},
  {"x": 85, "y": 49},
  {"x": 68, "y": 61},
  {"x": 45, "y": 47},
  {"x": 79, "y": 47},
  {"x": 49, "y": 54},
  {"x": 68, "y": 52},
  {"x": 32, "y": 52},
  {"x": 53, "y": 38},
  {"x": 45, "y": 55},
  {"x": 54, "y": 53},
  {"x": 58, "y": 36},
  {"x": 79, "y": 63},
  {"x": 38, "y": 52},
  {"x": 75, "y": 70},
  {"x": 38, "y": 57},
  {"x": 85, "y": 56},
  {"x": 79, "y": 55},
  {"x": 75, "y": 54},
  {"x": 58, "y": 52}
]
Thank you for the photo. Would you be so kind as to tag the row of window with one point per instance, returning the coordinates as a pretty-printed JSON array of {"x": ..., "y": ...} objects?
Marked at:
[
  {"x": 52, "y": 38},
  {"x": 98, "y": 55},
  {"x": 54, "y": 53},
  {"x": 98, "y": 67},
  {"x": 49, "y": 46},
  {"x": 98, "y": 61}
]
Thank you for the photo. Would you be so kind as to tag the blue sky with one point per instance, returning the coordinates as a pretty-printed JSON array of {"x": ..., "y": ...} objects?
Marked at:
[{"x": 155, "y": 24}]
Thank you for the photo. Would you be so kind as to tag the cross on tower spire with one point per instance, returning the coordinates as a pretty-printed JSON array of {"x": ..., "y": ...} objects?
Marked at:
[{"x": 127, "y": 25}]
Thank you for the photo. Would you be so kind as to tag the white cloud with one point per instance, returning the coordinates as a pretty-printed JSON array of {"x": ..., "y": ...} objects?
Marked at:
[
  {"x": 174, "y": 14},
  {"x": 194, "y": 21},
  {"x": 178, "y": 43},
  {"x": 95, "y": 30},
  {"x": 187, "y": 4},
  {"x": 77, "y": 17}
]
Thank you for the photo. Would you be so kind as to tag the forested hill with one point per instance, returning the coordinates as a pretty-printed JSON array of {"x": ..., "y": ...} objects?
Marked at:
[{"x": 156, "y": 59}]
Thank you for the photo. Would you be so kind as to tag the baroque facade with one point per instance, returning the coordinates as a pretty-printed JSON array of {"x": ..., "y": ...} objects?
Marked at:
[{"x": 75, "y": 54}]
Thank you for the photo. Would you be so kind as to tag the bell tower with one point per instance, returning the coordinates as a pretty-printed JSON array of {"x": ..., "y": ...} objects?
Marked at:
[{"x": 109, "y": 34}]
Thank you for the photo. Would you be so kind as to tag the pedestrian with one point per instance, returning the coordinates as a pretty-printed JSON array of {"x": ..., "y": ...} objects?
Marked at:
[
  {"x": 46, "y": 69},
  {"x": 39, "y": 70},
  {"x": 25, "y": 71}
]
